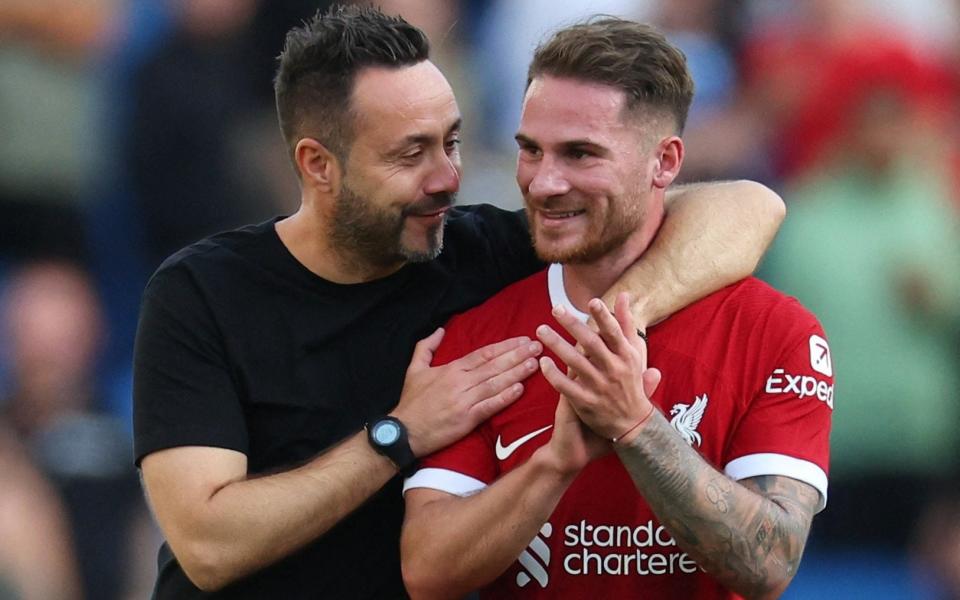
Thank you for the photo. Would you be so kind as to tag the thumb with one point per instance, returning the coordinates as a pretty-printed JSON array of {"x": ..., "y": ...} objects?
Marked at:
[
  {"x": 651, "y": 381},
  {"x": 423, "y": 351}
]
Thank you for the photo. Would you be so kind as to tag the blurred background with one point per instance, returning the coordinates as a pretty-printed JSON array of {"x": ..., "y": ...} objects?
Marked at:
[{"x": 129, "y": 128}]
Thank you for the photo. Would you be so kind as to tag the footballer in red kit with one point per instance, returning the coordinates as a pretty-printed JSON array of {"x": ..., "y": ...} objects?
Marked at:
[{"x": 748, "y": 383}]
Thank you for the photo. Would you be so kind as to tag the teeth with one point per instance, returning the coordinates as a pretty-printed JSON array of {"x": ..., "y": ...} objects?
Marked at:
[{"x": 564, "y": 214}]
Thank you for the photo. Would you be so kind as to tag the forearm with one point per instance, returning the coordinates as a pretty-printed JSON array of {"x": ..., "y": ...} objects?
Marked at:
[
  {"x": 248, "y": 524},
  {"x": 751, "y": 543},
  {"x": 452, "y": 546},
  {"x": 712, "y": 235}
]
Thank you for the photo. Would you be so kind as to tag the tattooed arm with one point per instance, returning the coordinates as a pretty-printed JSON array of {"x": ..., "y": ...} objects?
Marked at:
[{"x": 748, "y": 535}]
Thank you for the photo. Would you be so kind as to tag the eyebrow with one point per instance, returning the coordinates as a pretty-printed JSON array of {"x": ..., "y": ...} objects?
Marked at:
[
  {"x": 522, "y": 139},
  {"x": 567, "y": 145},
  {"x": 423, "y": 138}
]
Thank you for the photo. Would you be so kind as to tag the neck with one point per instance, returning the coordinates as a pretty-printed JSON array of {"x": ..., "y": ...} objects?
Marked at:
[
  {"x": 587, "y": 280},
  {"x": 305, "y": 236}
]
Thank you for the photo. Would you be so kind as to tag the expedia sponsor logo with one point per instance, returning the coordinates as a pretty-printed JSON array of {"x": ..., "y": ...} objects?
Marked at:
[
  {"x": 781, "y": 382},
  {"x": 646, "y": 549}
]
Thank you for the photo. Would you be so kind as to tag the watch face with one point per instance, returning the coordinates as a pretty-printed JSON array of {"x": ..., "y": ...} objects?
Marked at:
[{"x": 386, "y": 433}]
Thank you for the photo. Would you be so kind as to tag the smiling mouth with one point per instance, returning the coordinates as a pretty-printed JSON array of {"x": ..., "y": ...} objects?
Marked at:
[{"x": 562, "y": 215}]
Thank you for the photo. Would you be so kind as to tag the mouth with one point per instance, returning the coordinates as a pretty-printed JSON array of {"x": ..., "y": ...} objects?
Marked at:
[
  {"x": 557, "y": 217},
  {"x": 430, "y": 215},
  {"x": 553, "y": 214}
]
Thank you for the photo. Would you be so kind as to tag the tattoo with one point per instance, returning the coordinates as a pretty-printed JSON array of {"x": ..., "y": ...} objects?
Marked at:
[{"x": 749, "y": 535}]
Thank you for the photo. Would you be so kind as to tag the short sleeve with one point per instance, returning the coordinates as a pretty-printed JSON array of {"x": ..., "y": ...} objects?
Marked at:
[
  {"x": 786, "y": 426},
  {"x": 183, "y": 393}
]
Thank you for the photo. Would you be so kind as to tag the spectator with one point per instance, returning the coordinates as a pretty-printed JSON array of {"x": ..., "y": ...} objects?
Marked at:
[
  {"x": 36, "y": 559},
  {"x": 50, "y": 148},
  {"x": 872, "y": 247},
  {"x": 54, "y": 329}
]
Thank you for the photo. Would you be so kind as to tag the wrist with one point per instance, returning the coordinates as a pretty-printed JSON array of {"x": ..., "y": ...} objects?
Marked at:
[
  {"x": 640, "y": 309},
  {"x": 548, "y": 462},
  {"x": 388, "y": 436},
  {"x": 633, "y": 431}
]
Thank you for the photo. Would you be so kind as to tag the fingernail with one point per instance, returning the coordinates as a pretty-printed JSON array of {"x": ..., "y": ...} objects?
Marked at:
[
  {"x": 559, "y": 310},
  {"x": 596, "y": 303},
  {"x": 530, "y": 364},
  {"x": 535, "y": 347}
]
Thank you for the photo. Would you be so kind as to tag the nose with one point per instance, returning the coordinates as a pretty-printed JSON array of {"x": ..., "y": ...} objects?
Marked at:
[
  {"x": 444, "y": 176},
  {"x": 545, "y": 178}
]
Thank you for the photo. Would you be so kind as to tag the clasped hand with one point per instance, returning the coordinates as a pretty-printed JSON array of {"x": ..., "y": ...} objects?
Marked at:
[{"x": 608, "y": 384}]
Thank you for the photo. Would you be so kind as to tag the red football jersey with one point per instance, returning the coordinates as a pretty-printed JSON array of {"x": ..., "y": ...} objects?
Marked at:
[{"x": 747, "y": 381}]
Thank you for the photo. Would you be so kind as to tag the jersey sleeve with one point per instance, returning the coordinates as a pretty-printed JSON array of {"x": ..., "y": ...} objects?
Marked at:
[
  {"x": 785, "y": 429},
  {"x": 468, "y": 465},
  {"x": 183, "y": 393}
]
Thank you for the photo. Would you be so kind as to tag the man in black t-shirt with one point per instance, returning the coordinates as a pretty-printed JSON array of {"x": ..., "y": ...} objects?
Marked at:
[{"x": 263, "y": 354}]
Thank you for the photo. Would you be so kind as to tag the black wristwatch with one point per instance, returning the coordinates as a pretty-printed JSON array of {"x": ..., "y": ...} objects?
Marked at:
[{"x": 388, "y": 436}]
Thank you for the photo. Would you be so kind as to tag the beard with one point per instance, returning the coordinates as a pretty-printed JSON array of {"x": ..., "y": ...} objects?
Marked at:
[
  {"x": 601, "y": 237},
  {"x": 375, "y": 236}
]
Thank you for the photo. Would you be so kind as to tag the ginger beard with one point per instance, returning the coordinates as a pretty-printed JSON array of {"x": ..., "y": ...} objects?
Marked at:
[
  {"x": 588, "y": 233},
  {"x": 384, "y": 236}
]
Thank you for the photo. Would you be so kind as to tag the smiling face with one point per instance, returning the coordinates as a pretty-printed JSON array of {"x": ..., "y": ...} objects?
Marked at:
[
  {"x": 585, "y": 168},
  {"x": 403, "y": 169}
]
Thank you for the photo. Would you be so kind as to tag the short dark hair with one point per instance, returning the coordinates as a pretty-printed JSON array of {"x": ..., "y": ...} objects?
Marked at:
[
  {"x": 319, "y": 65},
  {"x": 631, "y": 56}
]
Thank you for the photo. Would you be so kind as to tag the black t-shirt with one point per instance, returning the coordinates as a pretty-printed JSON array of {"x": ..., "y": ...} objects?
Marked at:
[{"x": 240, "y": 346}]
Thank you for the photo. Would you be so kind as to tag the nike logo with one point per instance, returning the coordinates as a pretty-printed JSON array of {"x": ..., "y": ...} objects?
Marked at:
[{"x": 504, "y": 452}]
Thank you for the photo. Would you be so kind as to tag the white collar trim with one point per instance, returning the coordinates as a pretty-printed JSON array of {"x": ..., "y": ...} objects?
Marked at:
[{"x": 558, "y": 294}]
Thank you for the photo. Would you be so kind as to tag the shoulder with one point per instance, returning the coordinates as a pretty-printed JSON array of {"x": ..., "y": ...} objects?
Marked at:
[
  {"x": 219, "y": 253},
  {"x": 219, "y": 247},
  {"x": 746, "y": 323},
  {"x": 751, "y": 303}
]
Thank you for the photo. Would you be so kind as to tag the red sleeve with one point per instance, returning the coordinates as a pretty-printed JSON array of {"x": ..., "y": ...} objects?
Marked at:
[{"x": 785, "y": 429}]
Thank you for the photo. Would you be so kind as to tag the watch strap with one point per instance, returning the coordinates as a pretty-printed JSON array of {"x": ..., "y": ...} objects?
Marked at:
[{"x": 399, "y": 452}]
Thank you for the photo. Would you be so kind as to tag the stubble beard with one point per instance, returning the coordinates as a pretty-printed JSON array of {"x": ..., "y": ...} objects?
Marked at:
[
  {"x": 368, "y": 235},
  {"x": 595, "y": 244}
]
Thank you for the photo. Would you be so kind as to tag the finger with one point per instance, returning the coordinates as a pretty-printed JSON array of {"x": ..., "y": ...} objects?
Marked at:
[
  {"x": 501, "y": 364},
  {"x": 651, "y": 381},
  {"x": 621, "y": 308},
  {"x": 486, "y": 408},
  {"x": 423, "y": 351},
  {"x": 483, "y": 355},
  {"x": 575, "y": 361},
  {"x": 593, "y": 345},
  {"x": 500, "y": 380},
  {"x": 609, "y": 327},
  {"x": 560, "y": 382}
]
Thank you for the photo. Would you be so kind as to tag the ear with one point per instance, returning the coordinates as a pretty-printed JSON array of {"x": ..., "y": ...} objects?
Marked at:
[
  {"x": 669, "y": 158},
  {"x": 318, "y": 166}
]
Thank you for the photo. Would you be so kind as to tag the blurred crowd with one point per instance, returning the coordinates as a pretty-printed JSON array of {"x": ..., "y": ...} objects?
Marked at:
[{"x": 129, "y": 128}]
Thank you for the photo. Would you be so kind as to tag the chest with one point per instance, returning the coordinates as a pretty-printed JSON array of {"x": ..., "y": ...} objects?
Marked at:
[
  {"x": 312, "y": 369},
  {"x": 702, "y": 407}
]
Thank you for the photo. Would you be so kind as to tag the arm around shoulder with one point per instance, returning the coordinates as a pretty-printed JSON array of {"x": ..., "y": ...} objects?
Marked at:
[{"x": 713, "y": 235}]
